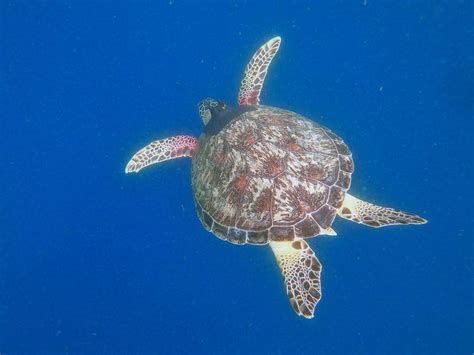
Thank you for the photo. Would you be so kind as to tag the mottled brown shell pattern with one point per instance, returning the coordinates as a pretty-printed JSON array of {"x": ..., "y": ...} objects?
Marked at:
[{"x": 270, "y": 175}]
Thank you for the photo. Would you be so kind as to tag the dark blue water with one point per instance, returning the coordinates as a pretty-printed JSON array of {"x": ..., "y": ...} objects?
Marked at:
[{"x": 96, "y": 261}]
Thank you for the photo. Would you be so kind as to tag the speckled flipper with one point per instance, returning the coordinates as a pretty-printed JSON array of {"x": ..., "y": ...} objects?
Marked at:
[
  {"x": 161, "y": 150},
  {"x": 255, "y": 72},
  {"x": 375, "y": 216},
  {"x": 301, "y": 270}
]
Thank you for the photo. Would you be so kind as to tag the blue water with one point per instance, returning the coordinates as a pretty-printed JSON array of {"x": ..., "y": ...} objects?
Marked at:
[{"x": 96, "y": 261}]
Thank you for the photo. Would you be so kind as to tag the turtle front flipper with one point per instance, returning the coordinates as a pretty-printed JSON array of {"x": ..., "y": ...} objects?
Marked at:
[
  {"x": 301, "y": 270},
  {"x": 161, "y": 150},
  {"x": 256, "y": 71},
  {"x": 371, "y": 215}
]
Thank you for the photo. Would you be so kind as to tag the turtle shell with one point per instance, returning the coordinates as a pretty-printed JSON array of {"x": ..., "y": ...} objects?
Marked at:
[{"x": 270, "y": 175}]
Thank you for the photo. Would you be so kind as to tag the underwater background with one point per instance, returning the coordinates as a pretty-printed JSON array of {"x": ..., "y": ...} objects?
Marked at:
[{"x": 96, "y": 261}]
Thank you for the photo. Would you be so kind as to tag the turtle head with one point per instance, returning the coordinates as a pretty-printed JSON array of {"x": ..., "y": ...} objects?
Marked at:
[{"x": 209, "y": 108}]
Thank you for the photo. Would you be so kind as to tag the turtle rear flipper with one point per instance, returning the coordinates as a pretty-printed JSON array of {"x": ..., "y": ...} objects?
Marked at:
[
  {"x": 301, "y": 270},
  {"x": 371, "y": 215},
  {"x": 161, "y": 150}
]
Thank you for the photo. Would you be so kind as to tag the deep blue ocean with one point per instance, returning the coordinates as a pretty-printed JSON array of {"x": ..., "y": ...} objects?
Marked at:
[{"x": 96, "y": 261}]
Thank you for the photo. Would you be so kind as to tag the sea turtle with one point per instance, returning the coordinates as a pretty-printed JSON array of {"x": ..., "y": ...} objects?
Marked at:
[{"x": 263, "y": 175}]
